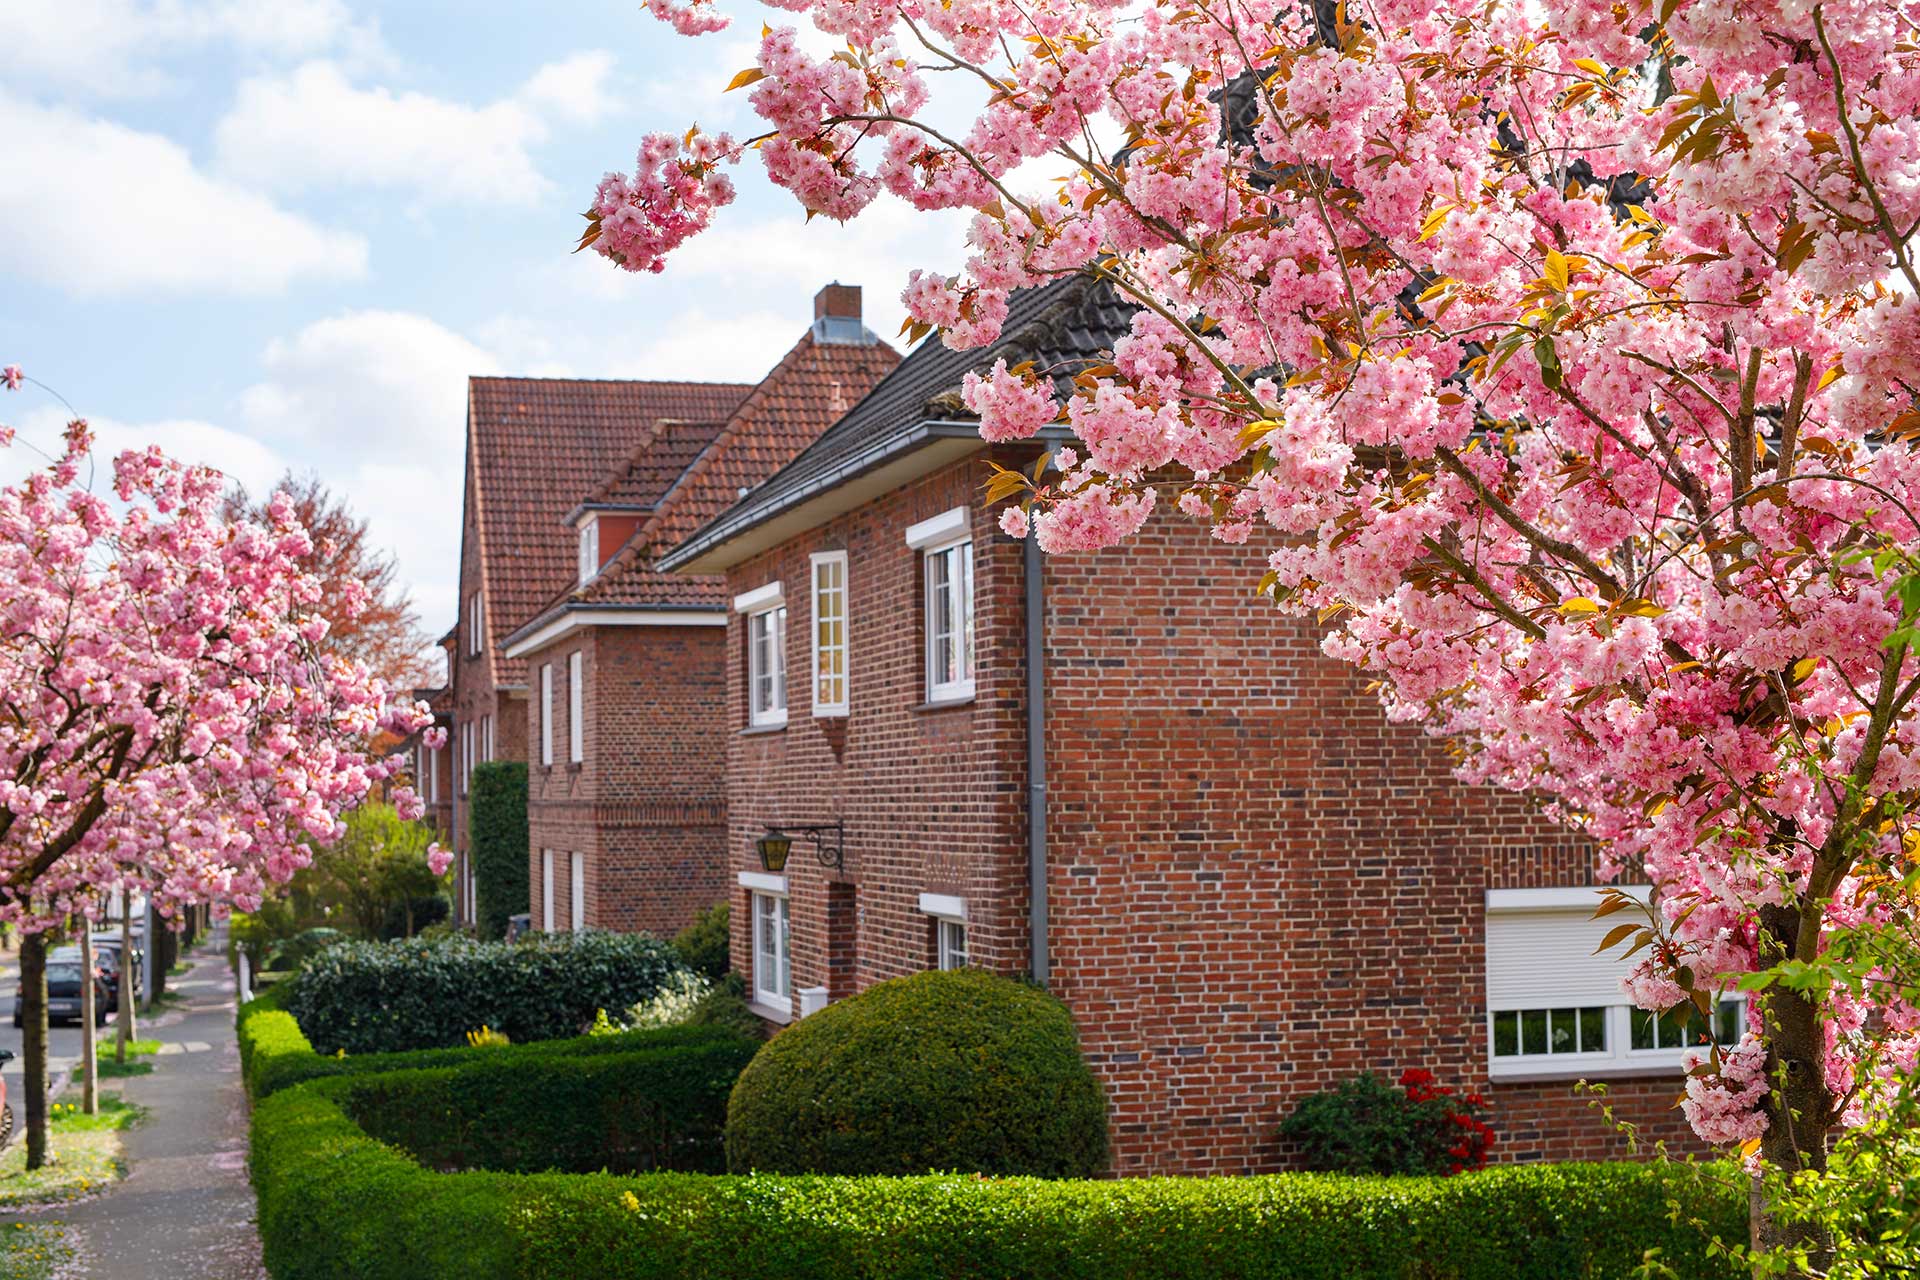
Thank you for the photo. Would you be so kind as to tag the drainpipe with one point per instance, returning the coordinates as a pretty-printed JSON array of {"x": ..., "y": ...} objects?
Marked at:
[{"x": 1037, "y": 760}]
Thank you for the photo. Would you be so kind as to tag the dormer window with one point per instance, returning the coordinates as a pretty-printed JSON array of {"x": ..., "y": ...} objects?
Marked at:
[{"x": 589, "y": 550}]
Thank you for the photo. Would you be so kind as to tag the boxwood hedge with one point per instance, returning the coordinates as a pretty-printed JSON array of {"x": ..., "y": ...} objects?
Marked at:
[
  {"x": 381, "y": 997},
  {"x": 335, "y": 1202},
  {"x": 275, "y": 1054},
  {"x": 499, "y": 809}
]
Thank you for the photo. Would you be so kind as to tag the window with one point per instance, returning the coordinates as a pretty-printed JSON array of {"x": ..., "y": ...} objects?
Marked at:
[
  {"x": 576, "y": 704},
  {"x": 589, "y": 550},
  {"x": 946, "y": 549},
  {"x": 546, "y": 713},
  {"x": 430, "y": 776},
  {"x": 466, "y": 756},
  {"x": 830, "y": 633},
  {"x": 577, "y": 898},
  {"x": 546, "y": 890},
  {"x": 1555, "y": 1009},
  {"x": 765, "y": 609},
  {"x": 950, "y": 944},
  {"x": 772, "y": 964},
  {"x": 486, "y": 737},
  {"x": 476, "y": 626}
]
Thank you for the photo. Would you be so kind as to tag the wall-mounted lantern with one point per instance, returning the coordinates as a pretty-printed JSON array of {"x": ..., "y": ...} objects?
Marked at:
[{"x": 829, "y": 840}]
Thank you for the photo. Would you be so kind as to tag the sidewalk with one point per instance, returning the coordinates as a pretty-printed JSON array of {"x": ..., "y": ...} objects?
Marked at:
[{"x": 185, "y": 1210}]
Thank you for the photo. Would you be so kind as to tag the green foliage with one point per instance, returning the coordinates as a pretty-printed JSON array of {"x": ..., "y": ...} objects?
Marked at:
[
  {"x": 647, "y": 1108},
  {"x": 1369, "y": 1126},
  {"x": 703, "y": 945},
  {"x": 335, "y": 1202},
  {"x": 303, "y": 946},
  {"x": 275, "y": 1054},
  {"x": 379, "y": 863},
  {"x": 499, "y": 843},
  {"x": 381, "y": 997},
  {"x": 725, "y": 1005},
  {"x": 962, "y": 1070}
]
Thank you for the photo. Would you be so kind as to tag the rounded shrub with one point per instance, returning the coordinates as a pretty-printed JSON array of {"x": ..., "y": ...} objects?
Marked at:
[{"x": 960, "y": 1071}]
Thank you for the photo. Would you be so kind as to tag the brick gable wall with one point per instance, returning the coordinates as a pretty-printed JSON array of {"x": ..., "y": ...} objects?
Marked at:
[
  {"x": 645, "y": 807},
  {"x": 1259, "y": 886}
]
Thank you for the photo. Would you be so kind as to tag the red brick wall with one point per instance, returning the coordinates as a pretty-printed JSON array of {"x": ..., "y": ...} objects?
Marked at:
[
  {"x": 646, "y": 805},
  {"x": 1259, "y": 887}
]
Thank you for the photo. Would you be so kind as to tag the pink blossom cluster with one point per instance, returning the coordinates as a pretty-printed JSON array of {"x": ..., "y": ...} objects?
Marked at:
[
  {"x": 170, "y": 716},
  {"x": 676, "y": 186},
  {"x": 1566, "y": 351},
  {"x": 1723, "y": 1106}
]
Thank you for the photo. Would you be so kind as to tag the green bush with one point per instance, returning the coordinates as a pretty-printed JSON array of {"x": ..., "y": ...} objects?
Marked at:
[
  {"x": 294, "y": 952},
  {"x": 641, "y": 1109},
  {"x": 726, "y": 1006},
  {"x": 499, "y": 842},
  {"x": 335, "y": 1202},
  {"x": 275, "y": 1054},
  {"x": 381, "y": 997},
  {"x": 704, "y": 944},
  {"x": 962, "y": 1071},
  {"x": 1368, "y": 1126}
]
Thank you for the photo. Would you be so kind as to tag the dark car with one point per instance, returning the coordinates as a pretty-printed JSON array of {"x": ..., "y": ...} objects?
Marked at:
[
  {"x": 519, "y": 926},
  {"x": 63, "y": 994},
  {"x": 106, "y": 964}
]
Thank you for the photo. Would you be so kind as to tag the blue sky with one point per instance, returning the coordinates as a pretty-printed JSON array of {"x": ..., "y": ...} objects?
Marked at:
[{"x": 271, "y": 233}]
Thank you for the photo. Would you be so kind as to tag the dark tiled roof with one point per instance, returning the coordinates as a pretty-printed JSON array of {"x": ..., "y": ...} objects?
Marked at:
[
  {"x": 814, "y": 383},
  {"x": 655, "y": 464},
  {"x": 536, "y": 446},
  {"x": 1062, "y": 327}
]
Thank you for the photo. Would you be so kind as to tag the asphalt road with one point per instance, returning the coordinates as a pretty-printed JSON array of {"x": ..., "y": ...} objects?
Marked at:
[{"x": 63, "y": 1050}]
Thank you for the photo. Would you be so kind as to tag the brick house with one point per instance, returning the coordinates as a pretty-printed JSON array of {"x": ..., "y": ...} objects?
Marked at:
[
  {"x": 625, "y": 666},
  {"x": 534, "y": 446},
  {"x": 1191, "y": 825}
]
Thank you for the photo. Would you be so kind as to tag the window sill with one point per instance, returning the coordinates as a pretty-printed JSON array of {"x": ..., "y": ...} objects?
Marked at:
[
  {"x": 944, "y": 704},
  {"x": 771, "y": 1012},
  {"x": 1536, "y": 1073},
  {"x": 830, "y": 713},
  {"x": 755, "y": 730}
]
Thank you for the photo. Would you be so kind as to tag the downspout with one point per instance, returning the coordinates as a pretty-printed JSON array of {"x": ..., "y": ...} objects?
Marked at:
[{"x": 1037, "y": 760}]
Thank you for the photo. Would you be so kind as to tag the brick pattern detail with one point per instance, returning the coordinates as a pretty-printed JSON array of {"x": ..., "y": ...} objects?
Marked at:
[
  {"x": 1259, "y": 886},
  {"x": 644, "y": 807}
]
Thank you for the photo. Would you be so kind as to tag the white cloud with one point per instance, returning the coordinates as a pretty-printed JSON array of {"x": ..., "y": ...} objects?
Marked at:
[
  {"x": 117, "y": 48},
  {"x": 97, "y": 208},
  {"x": 232, "y": 453},
  {"x": 313, "y": 127}
]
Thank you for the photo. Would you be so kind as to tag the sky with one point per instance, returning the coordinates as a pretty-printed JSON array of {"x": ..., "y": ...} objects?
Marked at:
[{"x": 272, "y": 234}]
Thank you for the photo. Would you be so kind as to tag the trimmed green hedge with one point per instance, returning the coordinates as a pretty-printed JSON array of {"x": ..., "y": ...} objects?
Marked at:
[
  {"x": 646, "y": 1107},
  {"x": 961, "y": 1070},
  {"x": 275, "y": 1055},
  {"x": 383, "y": 997},
  {"x": 334, "y": 1202},
  {"x": 500, "y": 848}
]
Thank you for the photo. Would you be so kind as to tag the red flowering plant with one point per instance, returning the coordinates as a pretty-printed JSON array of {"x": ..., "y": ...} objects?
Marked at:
[{"x": 1367, "y": 1126}]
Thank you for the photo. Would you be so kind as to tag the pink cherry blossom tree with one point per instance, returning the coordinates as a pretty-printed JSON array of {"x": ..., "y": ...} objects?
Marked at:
[
  {"x": 170, "y": 714},
  {"x": 1564, "y": 355}
]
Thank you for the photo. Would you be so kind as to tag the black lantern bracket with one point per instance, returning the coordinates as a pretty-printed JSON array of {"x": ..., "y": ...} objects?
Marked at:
[{"x": 828, "y": 840}]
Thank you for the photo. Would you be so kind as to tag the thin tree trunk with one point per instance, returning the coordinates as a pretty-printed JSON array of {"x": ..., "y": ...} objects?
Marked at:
[
  {"x": 89, "y": 1051},
  {"x": 33, "y": 1043},
  {"x": 1799, "y": 1107},
  {"x": 123, "y": 1030}
]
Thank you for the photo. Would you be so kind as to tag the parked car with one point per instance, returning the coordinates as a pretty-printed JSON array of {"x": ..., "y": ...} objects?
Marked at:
[
  {"x": 109, "y": 943},
  {"x": 63, "y": 994},
  {"x": 519, "y": 926},
  {"x": 107, "y": 966},
  {"x": 6, "y": 1108}
]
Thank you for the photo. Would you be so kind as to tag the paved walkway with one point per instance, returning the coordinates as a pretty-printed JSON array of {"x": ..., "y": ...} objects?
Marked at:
[{"x": 185, "y": 1209}]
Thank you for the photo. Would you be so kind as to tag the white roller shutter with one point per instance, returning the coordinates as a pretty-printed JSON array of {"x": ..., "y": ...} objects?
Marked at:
[{"x": 1540, "y": 951}]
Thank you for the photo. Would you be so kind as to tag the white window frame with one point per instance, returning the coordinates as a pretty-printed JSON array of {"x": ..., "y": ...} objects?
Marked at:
[
  {"x": 825, "y": 706},
  {"x": 466, "y": 757},
  {"x": 945, "y": 542},
  {"x": 577, "y": 887},
  {"x": 777, "y": 960},
  {"x": 576, "y": 707},
  {"x": 765, "y": 609},
  {"x": 1618, "y": 1058},
  {"x": 430, "y": 779},
  {"x": 546, "y": 714},
  {"x": 589, "y": 549},
  {"x": 476, "y": 627},
  {"x": 949, "y": 916},
  {"x": 546, "y": 891},
  {"x": 486, "y": 738}
]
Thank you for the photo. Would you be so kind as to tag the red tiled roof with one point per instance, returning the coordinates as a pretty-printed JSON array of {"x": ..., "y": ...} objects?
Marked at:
[
  {"x": 654, "y": 464},
  {"x": 535, "y": 447},
  {"x": 813, "y": 384}
]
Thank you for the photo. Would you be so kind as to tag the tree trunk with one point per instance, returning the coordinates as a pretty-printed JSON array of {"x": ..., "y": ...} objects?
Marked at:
[
  {"x": 1799, "y": 1107},
  {"x": 89, "y": 1051},
  {"x": 123, "y": 1030},
  {"x": 33, "y": 1044}
]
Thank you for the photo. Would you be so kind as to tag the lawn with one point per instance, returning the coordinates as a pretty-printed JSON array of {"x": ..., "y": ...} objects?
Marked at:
[
  {"x": 33, "y": 1251},
  {"x": 113, "y": 1069},
  {"x": 86, "y": 1155}
]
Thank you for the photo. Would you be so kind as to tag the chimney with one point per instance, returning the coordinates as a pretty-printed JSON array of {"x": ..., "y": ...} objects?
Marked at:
[{"x": 837, "y": 300}]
